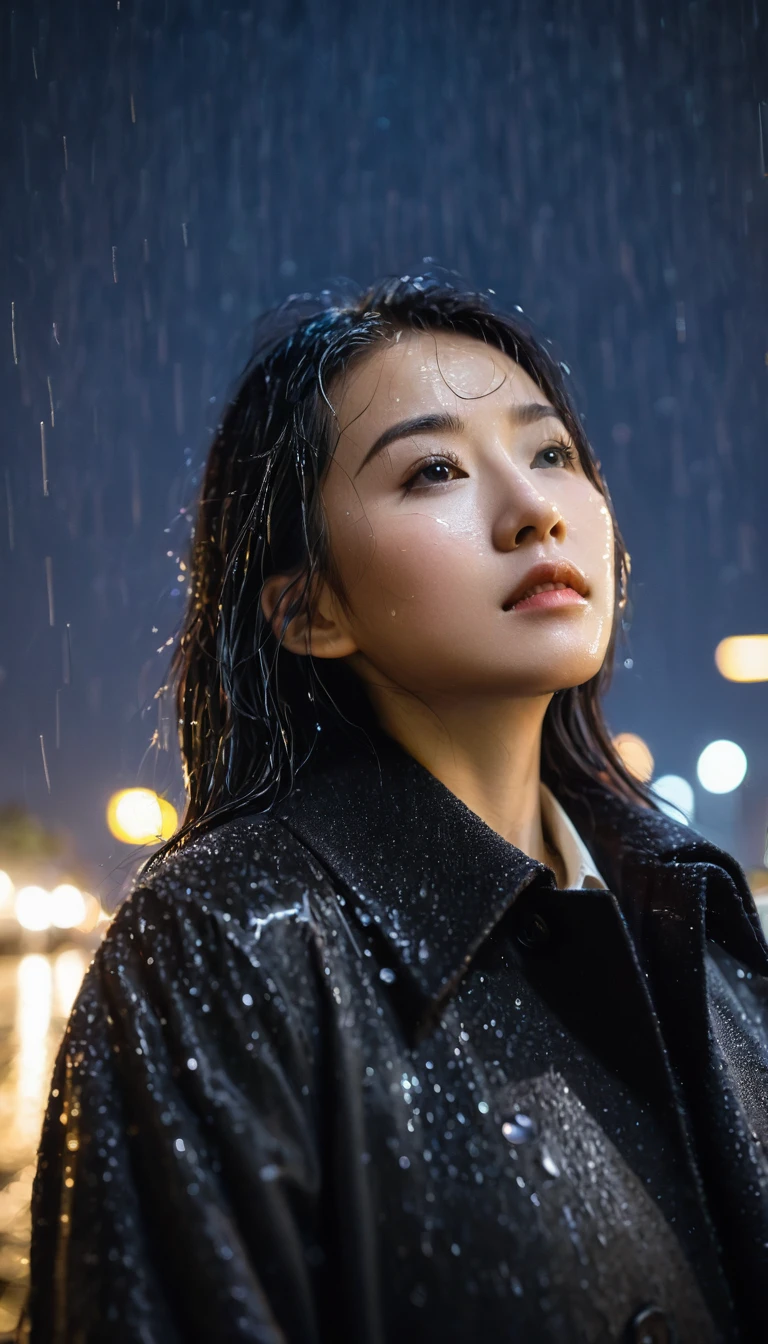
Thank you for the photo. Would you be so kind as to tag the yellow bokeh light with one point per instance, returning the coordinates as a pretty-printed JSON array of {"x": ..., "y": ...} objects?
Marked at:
[
  {"x": 33, "y": 908},
  {"x": 743, "y": 658},
  {"x": 170, "y": 818},
  {"x": 635, "y": 754},
  {"x": 140, "y": 817}
]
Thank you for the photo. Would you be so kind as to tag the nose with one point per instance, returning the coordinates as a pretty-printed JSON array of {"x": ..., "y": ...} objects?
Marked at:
[{"x": 529, "y": 516}]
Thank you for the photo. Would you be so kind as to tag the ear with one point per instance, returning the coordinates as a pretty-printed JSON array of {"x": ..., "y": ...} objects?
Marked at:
[{"x": 321, "y": 628}]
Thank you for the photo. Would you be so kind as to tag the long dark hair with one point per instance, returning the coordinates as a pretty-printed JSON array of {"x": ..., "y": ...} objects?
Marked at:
[{"x": 249, "y": 712}]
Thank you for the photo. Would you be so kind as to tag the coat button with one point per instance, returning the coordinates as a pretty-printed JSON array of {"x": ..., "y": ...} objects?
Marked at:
[
  {"x": 651, "y": 1325},
  {"x": 534, "y": 934}
]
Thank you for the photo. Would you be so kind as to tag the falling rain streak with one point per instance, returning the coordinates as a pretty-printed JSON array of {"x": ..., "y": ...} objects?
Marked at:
[
  {"x": 44, "y": 457},
  {"x": 49, "y": 584},
  {"x": 45, "y": 763}
]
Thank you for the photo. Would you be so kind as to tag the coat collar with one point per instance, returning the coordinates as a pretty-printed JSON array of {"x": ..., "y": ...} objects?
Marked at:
[{"x": 425, "y": 874}]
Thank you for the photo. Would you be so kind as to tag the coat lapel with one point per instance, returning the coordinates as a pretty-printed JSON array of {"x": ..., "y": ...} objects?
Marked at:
[{"x": 427, "y": 875}]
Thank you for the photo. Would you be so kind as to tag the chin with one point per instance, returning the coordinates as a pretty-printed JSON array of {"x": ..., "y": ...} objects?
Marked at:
[{"x": 547, "y": 681}]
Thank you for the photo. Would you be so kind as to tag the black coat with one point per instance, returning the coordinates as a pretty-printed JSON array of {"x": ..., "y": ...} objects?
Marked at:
[{"x": 362, "y": 1073}]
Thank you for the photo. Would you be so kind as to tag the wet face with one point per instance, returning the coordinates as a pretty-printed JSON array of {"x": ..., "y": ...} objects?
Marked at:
[{"x": 442, "y": 528}]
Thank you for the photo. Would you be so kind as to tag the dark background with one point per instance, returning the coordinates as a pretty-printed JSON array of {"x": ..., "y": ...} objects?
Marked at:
[{"x": 171, "y": 168}]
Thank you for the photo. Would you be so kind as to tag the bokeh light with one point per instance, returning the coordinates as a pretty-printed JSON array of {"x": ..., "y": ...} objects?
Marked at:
[
  {"x": 635, "y": 754},
  {"x": 6, "y": 887},
  {"x": 93, "y": 913},
  {"x": 140, "y": 817},
  {"x": 743, "y": 658},
  {"x": 675, "y": 796},
  {"x": 33, "y": 908},
  {"x": 721, "y": 766},
  {"x": 68, "y": 908}
]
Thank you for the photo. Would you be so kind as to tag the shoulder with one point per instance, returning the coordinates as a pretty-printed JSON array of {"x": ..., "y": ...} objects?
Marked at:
[{"x": 248, "y": 878}]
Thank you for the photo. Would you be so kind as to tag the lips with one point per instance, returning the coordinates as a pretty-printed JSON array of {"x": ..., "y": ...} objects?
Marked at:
[{"x": 548, "y": 576}]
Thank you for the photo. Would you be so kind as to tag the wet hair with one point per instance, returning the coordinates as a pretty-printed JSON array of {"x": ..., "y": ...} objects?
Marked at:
[{"x": 250, "y": 712}]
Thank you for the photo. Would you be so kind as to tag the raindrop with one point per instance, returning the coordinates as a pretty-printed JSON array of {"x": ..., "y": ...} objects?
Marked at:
[
  {"x": 518, "y": 1130},
  {"x": 548, "y": 1163},
  {"x": 387, "y": 975}
]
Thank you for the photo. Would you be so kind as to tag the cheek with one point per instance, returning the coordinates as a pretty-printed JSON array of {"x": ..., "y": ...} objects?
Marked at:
[
  {"x": 590, "y": 542},
  {"x": 604, "y": 545},
  {"x": 413, "y": 566}
]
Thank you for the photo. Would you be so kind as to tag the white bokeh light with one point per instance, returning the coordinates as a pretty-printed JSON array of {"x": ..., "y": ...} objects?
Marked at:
[
  {"x": 721, "y": 766},
  {"x": 33, "y": 909},
  {"x": 67, "y": 906},
  {"x": 675, "y": 797}
]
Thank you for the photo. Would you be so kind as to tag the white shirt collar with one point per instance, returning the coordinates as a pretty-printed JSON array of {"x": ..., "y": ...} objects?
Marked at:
[{"x": 580, "y": 868}]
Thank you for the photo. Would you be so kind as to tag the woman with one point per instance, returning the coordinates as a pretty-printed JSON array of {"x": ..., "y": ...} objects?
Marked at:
[{"x": 427, "y": 1025}]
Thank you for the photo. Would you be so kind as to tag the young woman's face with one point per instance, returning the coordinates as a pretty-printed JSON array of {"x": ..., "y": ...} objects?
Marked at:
[{"x": 436, "y": 532}]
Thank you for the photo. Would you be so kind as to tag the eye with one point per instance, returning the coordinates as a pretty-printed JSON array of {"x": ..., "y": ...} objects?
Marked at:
[
  {"x": 439, "y": 465},
  {"x": 559, "y": 454}
]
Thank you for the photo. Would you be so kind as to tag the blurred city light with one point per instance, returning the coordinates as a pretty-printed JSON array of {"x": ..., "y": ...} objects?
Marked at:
[
  {"x": 743, "y": 658},
  {"x": 33, "y": 908},
  {"x": 93, "y": 913},
  {"x": 635, "y": 754},
  {"x": 675, "y": 797},
  {"x": 721, "y": 766},
  {"x": 67, "y": 907},
  {"x": 140, "y": 817},
  {"x": 33, "y": 1016},
  {"x": 68, "y": 971}
]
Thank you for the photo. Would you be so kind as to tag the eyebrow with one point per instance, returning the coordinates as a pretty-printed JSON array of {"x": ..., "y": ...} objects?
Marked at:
[{"x": 525, "y": 413}]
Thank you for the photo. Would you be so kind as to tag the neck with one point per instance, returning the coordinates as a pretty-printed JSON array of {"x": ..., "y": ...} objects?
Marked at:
[{"x": 487, "y": 752}]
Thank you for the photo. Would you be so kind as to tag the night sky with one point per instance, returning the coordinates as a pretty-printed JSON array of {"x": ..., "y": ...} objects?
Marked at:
[{"x": 172, "y": 168}]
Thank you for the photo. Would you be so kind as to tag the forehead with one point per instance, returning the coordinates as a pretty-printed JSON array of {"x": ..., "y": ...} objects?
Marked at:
[{"x": 418, "y": 372}]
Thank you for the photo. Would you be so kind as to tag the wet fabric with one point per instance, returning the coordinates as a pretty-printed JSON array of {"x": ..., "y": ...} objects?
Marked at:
[{"x": 361, "y": 1072}]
